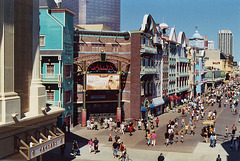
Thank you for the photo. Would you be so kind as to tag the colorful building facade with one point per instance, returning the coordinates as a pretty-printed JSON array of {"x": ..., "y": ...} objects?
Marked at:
[{"x": 56, "y": 59}]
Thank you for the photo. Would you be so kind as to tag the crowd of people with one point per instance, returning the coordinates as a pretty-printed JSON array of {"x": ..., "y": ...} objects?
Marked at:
[{"x": 192, "y": 111}]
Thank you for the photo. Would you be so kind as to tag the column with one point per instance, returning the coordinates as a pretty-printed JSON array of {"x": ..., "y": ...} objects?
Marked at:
[
  {"x": 119, "y": 109},
  {"x": 37, "y": 90},
  {"x": 84, "y": 111},
  {"x": 9, "y": 100}
]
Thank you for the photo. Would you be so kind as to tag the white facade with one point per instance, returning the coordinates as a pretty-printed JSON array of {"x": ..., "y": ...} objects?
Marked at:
[{"x": 211, "y": 44}]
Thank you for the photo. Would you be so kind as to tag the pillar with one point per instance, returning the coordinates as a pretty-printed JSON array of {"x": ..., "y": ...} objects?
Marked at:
[
  {"x": 9, "y": 99},
  {"x": 84, "y": 117},
  {"x": 37, "y": 90},
  {"x": 119, "y": 112},
  {"x": 84, "y": 110}
]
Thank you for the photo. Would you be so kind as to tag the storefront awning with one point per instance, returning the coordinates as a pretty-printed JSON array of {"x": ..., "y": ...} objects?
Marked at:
[
  {"x": 157, "y": 101},
  {"x": 175, "y": 97},
  {"x": 143, "y": 109},
  {"x": 171, "y": 98},
  {"x": 152, "y": 106}
]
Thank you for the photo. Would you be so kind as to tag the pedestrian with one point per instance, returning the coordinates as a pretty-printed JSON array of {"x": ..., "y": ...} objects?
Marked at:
[
  {"x": 157, "y": 121},
  {"x": 153, "y": 138},
  {"x": 212, "y": 138},
  {"x": 176, "y": 136},
  {"x": 234, "y": 129},
  {"x": 90, "y": 143},
  {"x": 115, "y": 149},
  {"x": 148, "y": 138},
  {"x": 130, "y": 129},
  {"x": 139, "y": 124},
  {"x": 171, "y": 137},
  {"x": 182, "y": 136},
  {"x": 236, "y": 142},
  {"x": 183, "y": 122},
  {"x": 192, "y": 127},
  {"x": 88, "y": 124},
  {"x": 118, "y": 125},
  {"x": 186, "y": 129},
  {"x": 122, "y": 128},
  {"x": 166, "y": 137},
  {"x": 161, "y": 157},
  {"x": 95, "y": 143},
  {"x": 218, "y": 158},
  {"x": 226, "y": 130},
  {"x": 75, "y": 148}
]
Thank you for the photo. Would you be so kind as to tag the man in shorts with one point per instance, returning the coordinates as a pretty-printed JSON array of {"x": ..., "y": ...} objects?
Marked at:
[
  {"x": 95, "y": 142},
  {"x": 115, "y": 149}
]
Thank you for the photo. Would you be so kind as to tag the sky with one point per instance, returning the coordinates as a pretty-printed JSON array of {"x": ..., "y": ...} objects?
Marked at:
[{"x": 209, "y": 15}]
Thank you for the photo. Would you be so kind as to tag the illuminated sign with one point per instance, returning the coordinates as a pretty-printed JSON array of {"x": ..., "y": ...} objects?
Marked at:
[
  {"x": 103, "y": 81},
  {"x": 102, "y": 67}
]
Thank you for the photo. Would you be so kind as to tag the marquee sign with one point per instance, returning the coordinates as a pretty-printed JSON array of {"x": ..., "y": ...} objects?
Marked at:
[
  {"x": 102, "y": 67},
  {"x": 45, "y": 144}
]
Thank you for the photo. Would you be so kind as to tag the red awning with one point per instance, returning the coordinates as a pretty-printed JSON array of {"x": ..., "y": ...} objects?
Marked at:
[
  {"x": 175, "y": 97},
  {"x": 171, "y": 98},
  {"x": 186, "y": 95},
  {"x": 179, "y": 97}
]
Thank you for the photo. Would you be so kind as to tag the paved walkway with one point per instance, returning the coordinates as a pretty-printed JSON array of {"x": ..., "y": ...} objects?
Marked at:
[{"x": 193, "y": 148}]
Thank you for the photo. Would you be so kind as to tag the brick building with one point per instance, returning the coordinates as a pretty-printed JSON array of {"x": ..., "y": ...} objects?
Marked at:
[{"x": 115, "y": 72}]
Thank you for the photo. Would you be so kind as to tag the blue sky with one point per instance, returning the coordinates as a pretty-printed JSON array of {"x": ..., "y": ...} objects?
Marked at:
[{"x": 209, "y": 15}]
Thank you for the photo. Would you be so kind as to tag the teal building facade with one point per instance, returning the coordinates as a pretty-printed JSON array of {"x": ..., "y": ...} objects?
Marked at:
[{"x": 56, "y": 59}]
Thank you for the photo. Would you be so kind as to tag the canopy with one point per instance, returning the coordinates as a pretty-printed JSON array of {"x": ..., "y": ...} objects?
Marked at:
[
  {"x": 166, "y": 100},
  {"x": 157, "y": 102},
  {"x": 152, "y": 106},
  {"x": 143, "y": 109},
  {"x": 171, "y": 99},
  {"x": 175, "y": 97}
]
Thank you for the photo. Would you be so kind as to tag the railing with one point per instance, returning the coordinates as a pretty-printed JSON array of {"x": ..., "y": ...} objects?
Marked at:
[
  {"x": 183, "y": 88},
  {"x": 183, "y": 74},
  {"x": 51, "y": 77},
  {"x": 148, "y": 70},
  {"x": 148, "y": 49},
  {"x": 184, "y": 60},
  {"x": 56, "y": 103}
]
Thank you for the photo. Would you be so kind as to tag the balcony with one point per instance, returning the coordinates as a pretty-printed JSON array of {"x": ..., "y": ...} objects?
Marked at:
[
  {"x": 55, "y": 103},
  {"x": 148, "y": 49},
  {"x": 184, "y": 88},
  {"x": 183, "y": 60},
  {"x": 51, "y": 77},
  {"x": 183, "y": 74},
  {"x": 172, "y": 62},
  {"x": 148, "y": 70}
]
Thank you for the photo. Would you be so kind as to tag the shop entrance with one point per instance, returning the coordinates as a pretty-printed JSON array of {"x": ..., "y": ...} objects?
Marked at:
[{"x": 102, "y": 110}]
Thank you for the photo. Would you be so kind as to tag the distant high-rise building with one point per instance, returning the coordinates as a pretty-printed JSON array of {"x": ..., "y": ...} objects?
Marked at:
[
  {"x": 105, "y": 12},
  {"x": 211, "y": 44},
  {"x": 225, "y": 41}
]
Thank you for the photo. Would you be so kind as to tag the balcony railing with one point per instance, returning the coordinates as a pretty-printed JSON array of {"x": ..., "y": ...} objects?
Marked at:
[
  {"x": 148, "y": 49},
  {"x": 184, "y": 88},
  {"x": 51, "y": 77},
  {"x": 183, "y": 74},
  {"x": 184, "y": 60},
  {"x": 56, "y": 103},
  {"x": 148, "y": 70}
]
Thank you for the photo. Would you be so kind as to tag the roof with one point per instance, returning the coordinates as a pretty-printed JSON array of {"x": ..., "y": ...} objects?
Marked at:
[
  {"x": 47, "y": 4},
  {"x": 95, "y": 27},
  {"x": 163, "y": 26},
  {"x": 196, "y": 35}
]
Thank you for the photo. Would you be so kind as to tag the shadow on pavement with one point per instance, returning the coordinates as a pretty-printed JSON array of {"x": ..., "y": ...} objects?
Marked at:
[
  {"x": 55, "y": 155},
  {"x": 233, "y": 155}
]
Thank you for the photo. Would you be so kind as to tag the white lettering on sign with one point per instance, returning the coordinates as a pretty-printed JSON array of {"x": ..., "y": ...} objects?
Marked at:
[{"x": 46, "y": 146}]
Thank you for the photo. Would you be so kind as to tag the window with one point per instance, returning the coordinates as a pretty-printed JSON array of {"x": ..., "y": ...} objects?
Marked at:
[
  {"x": 150, "y": 88},
  {"x": 50, "y": 95},
  {"x": 146, "y": 42},
  {"x": 115, "y": 48},
  {"x": 42, "y": 40},
  {"x": 146, "y": 62},
  {"x": 50, "y": 69},
  {"x": 81, "y": 47},
  {"x": 67, "y": 96},
  {"x": 94, "y": 48},
  {"x": 146, "y": 88},
  {"x": 68, "y": 71}
]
